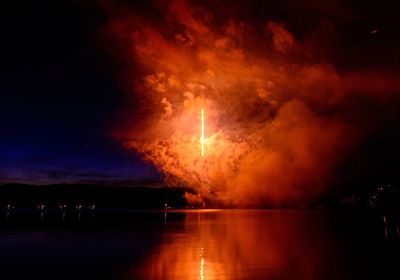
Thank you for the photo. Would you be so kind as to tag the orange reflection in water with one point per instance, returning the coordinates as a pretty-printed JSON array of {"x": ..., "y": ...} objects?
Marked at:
[{"x": 238, "y": 245}]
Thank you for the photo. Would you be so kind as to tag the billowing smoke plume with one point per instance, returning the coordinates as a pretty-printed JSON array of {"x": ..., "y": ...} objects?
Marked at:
[{"x": 275, "y": 122}]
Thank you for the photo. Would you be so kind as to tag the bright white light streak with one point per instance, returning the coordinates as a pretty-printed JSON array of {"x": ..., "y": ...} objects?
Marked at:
[
  {"x": 202, "y": 264},
  {"x": 202, "y": 132}
]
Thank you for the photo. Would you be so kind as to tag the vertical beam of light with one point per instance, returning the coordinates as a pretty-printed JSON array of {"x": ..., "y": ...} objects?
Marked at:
[
  {"x": 202, "y": 264},
  {"x": 202, "y": 132}
]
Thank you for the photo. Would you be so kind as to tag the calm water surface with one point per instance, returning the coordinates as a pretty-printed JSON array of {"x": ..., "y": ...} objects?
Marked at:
[{"x": 205, "y": 244}]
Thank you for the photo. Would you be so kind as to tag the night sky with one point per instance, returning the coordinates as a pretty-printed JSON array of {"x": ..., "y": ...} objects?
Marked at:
[
  {"x": 61, "y": 89},
  {"x": 59, "y": 97}
]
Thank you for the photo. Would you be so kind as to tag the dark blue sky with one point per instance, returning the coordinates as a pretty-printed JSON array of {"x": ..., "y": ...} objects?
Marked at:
[{"x": 59, "y": 98}]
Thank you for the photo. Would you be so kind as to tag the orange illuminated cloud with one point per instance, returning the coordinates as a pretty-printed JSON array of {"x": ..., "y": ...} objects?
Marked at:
[{"x": 273, "y": 128}]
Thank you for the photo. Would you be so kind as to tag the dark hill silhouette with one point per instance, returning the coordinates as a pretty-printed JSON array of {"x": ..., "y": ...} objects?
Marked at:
[{"x": 102, "y": 196}]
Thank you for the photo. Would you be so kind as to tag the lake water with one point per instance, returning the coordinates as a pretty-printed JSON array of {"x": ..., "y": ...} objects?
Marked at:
[{"x": 200, "y": 244}]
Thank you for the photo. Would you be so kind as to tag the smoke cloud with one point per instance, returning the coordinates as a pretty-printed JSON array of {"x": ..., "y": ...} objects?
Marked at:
[{"x": 277, "y": 119}]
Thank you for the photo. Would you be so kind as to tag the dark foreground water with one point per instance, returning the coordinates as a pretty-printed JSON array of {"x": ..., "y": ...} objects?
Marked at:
[{"x": 205, "y": 244}]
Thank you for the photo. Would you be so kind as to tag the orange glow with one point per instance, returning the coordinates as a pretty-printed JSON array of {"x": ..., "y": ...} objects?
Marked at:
[
  {"x": 230, "y": 245},
  {"x": 202, "y": 132},
  {"x": 277, "y": 122}
]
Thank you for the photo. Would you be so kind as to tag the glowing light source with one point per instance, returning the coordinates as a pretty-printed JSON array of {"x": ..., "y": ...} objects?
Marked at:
[
  {"x": 202, "y": 263},
  {"x": 202, "y": 132}
]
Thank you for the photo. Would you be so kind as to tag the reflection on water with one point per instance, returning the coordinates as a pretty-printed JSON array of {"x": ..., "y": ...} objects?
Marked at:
[
  {"x": 226, "y": 244},
  {"x": 238, "y": 245},
  {"x": 262, "y": 245}
]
